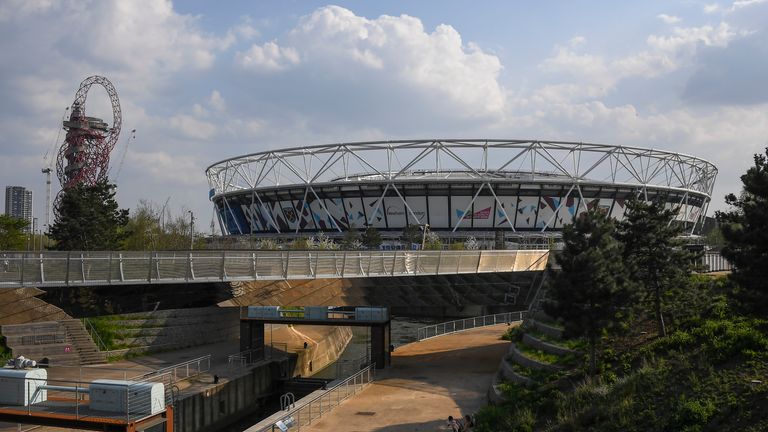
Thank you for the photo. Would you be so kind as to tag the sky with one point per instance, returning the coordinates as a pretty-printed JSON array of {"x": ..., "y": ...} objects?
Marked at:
[{"x": 203, "y": 81}]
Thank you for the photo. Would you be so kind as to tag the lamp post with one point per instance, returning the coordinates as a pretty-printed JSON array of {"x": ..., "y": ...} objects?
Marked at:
[{"x": 191, "y": 230}]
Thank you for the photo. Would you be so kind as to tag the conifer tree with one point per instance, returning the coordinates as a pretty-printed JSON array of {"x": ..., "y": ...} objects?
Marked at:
[
  {"x": 745, "y": 229},
  {"x": 589, "y": 289},
  {"x": 653, "y": 252},
  {"x": 88, "y": 218}
]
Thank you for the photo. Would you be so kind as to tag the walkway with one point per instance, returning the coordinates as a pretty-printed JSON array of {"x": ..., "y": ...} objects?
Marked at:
[
  {"x": 428, "y": 381},
  {"x": 56, "y": 269}
]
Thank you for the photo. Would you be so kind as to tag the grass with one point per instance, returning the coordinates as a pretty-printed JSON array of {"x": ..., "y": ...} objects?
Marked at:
[
  {"x": 708, "y": 376},
  {"x": 572, "y": 344},
  {"x": 538, "y": 355}
]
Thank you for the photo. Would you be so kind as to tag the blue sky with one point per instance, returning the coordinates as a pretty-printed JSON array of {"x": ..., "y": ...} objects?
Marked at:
[{"x": 203, "y": 81}]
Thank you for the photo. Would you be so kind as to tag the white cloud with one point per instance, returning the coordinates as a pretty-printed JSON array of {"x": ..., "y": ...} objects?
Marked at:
[
  {"x": 192, "y": 127},
  {"x": 174, "y": 168},
  {"x": 664, "y": 54},
  {"x": 668, "y": 19},
  {"x": 711, "y": 8},
  {"x": 268, "y": 57},
  {"x": 339, "y": 46},
  {"x": 577, "y": 41},
  {"x": 216, "y": 101}
]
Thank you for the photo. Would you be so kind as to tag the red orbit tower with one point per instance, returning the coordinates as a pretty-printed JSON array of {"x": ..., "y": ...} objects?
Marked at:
[{"x": 84, "y": 156}]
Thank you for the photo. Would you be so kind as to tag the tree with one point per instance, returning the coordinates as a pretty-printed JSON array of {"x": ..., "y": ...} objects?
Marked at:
[
  {"x": 371, "y": 238},
  {"x": 411, "y": 234},
  {"x": 151, "y": 228},
  {"x": 656, "y": 258},
  {"x": 590, "y": 288},
  {"x": 12, "y": 236},
  {"x": 352, "y": 240},
  {"x": 745, "y": 229},
  {"x": 88, "y": 218}
]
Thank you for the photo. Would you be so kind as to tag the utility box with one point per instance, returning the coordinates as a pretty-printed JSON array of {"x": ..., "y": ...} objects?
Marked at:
[
  {"x": 316, "y": 312},
  {"x": 263, "y": 311},
  {"x": 127, "y": 397},
  {"x": 371, "y": 314},
  {"x": 23, "y": 387}
]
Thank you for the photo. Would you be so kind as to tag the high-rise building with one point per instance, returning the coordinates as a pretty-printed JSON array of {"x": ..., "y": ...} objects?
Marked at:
[{"x": 18, "y": 203}]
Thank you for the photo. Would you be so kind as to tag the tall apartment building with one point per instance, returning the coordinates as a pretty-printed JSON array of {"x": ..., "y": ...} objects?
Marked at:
[{"x": 18, "y": 203}]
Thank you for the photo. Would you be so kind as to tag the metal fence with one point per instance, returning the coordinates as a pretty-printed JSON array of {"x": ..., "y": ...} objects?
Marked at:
[
  {"x": 309, "y": 411},
  {"x": 52, "y": 268},
  {"x": 181, "y": 371},
  {"x": 243, "y": 359},
  {"x": 714, "y": 262},
  {"x": 109, "y": 401},
  {"x": 467, "y": 324}
]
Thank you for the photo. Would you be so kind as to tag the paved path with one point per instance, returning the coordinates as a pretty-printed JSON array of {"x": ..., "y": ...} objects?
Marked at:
[{"x": 428, "y": 381}]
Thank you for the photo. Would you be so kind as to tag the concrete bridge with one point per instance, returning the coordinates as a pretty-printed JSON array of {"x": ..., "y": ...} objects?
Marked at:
[{"x": 74, "y": 268}]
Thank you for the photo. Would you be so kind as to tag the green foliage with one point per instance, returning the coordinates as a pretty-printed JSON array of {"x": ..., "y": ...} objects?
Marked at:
[
  {"x": 371, "y": 238},
  {"x": 432, "y": 241},
  {"x": 88, "y": 218},
  {"x": 654, "y": 256},
  {"x": 457, "y": 246},
  {"x": 352, "y": 240},
  {"x": 153, "y": 228},
  {"x": 12, "y": 235},
  {"x": 411, "y": 234},
  {"x": 745, "y": 229},
  {"x": 5, "y": 352},
  {"x": 589, "y": 290},
  {"x": 301, "y": 243}
]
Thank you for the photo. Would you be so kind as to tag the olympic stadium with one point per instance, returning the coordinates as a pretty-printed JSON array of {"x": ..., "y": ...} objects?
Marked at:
[{"x": 459, "y": 187}]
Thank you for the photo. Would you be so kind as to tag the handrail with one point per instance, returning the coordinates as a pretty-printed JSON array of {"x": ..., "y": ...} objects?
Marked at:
[
  {"x": 306, "y": 411},
  {"x": 57, "y": 269},
  {"x": 95, "y": 336},
  {"x": 456, "y": 326},
  {"x": 200, "y": 365}
]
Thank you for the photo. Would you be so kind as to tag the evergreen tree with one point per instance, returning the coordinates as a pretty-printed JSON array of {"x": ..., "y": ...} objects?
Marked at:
[
  {"x": 589, "y": 289},
  {"x": 745, "y": 229},
  {"x": 411, "y": 234},
  {"x": 88, "y": 218},
  {"x": 371, "y": 238},
  {"x": 12, "y": 236},
  {"x": 655, "y": 257}
]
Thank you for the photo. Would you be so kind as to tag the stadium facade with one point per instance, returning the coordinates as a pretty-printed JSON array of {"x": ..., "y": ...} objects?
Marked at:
[{"x": 458, "y": 187}]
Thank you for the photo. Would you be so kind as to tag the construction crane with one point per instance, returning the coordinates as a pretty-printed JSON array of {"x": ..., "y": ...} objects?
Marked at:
[{"x": 131, "y": 137}]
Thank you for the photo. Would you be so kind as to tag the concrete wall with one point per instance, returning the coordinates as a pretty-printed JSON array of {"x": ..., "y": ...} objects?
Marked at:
[
  {"x": 176, "y": 328},
  {"x": 325, "y": 352},
  {"x": 226, "y": 403}
]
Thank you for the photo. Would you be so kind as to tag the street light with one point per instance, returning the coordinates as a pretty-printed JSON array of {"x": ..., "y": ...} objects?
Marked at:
[{"x": 191, "y": 230}]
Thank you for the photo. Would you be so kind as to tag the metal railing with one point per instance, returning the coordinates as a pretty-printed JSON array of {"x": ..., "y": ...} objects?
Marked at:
[
  {"x": 311, "y": 410},
  {"x": 181, "y": 371},
  {"x": 95, "y": 335},
  {"x": 713, "y": 262},
  {"x": 249, "y": 357},
  {"x": 52, "y": 268},
  {"x": 126, "y": 401},
  {"x": 468, "y": 324}
]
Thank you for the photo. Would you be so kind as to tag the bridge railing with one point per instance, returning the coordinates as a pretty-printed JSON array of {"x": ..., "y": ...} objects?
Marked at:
[
  {"x": 53, "y": 268},
  {"x": 467, "y": 324}
]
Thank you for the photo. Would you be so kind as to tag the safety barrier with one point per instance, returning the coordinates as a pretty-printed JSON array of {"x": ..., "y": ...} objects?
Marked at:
[
  {"x": 53, "y": 268},
  {"x": 468, "y": 324},
  {"x": 305, "y": 412}
]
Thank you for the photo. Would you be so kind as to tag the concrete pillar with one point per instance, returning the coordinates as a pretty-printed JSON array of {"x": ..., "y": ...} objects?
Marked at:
[
  {"x": 380, "y": 341},
  {"x": 252, "y": 338}
]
